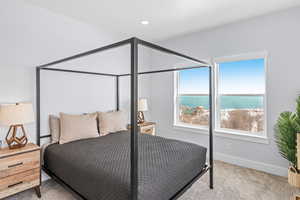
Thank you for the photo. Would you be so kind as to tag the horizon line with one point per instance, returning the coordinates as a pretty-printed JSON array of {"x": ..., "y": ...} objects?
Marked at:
[{"x": 206, "y": 94}]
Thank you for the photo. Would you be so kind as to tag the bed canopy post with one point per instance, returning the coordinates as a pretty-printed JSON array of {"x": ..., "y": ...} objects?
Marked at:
[
  {"x": 133, "y": 112},
  {"x": 38, "y": 102},
  {"x": 117, "y": 94},
  {"x": 211, "y": 161}
]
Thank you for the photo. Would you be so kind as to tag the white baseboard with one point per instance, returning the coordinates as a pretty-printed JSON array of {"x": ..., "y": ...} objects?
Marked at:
[{"x": 260, "y": 166}]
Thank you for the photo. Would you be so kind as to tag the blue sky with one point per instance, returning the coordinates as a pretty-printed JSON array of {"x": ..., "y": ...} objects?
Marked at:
[{"x": 239, "y": 77}]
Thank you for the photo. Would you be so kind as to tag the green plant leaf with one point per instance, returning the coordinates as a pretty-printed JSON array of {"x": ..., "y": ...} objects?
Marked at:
[{"x": 286, "y": 134}]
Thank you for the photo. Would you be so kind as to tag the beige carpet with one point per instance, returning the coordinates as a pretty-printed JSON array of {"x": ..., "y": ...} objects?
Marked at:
[{"x": 231, "y": 183}]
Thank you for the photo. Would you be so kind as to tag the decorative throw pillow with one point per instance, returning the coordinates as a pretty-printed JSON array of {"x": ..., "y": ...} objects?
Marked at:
[
  {"x": 76, "y": 127},
  {"x": 110, "y": 122},
  {"x": 54, "y": 125}
]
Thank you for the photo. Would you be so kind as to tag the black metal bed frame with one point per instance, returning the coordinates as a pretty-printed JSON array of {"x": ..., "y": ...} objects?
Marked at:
[{"x": 133, "y": 42}]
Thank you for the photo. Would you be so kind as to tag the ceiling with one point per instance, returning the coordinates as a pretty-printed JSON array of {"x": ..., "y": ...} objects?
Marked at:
[{"x": 168, "y": 18}]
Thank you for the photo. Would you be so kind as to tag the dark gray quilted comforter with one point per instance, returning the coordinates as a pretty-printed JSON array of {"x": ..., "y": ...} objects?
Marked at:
[{"x": 99, "y": 168}]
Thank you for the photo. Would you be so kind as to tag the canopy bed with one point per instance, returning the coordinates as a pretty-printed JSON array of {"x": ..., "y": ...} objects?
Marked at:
[{"x": 144, "y": 172}]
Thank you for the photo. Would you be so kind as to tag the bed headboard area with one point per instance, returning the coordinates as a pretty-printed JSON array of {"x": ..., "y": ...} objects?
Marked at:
[{"x": 75, "y": 94}]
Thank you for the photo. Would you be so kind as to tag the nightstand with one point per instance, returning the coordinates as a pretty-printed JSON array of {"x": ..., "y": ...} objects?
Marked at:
[
  {"x": 20, "y": 170},
  {"x": 146, "y": 128}
]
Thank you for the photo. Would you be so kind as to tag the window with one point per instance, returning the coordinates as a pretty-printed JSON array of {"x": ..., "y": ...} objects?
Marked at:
[
  {"x": 240, "y": 92},
  {"x": 239, "y": 85},
  {"x": 191, "y": 98}
]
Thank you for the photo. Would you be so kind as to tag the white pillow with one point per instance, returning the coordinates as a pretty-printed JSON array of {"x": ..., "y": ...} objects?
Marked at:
[
  {"x": 110, "y": 122},
  {"x": 76, "y": 127}
]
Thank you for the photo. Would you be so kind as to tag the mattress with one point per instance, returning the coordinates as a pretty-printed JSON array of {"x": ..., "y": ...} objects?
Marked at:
[{"x": 99, "y": 168}]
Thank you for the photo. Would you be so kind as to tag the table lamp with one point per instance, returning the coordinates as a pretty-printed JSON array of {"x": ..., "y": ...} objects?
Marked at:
[
  {"x": 142, "y": 107},
  {"x": 14, "y": 116}
]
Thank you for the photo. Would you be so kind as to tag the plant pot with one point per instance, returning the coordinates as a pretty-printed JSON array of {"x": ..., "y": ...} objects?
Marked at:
[{"x": 293, "y": 178}]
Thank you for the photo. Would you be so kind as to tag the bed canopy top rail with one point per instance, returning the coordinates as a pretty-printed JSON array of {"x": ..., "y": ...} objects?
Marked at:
[
  {"x": 119, "y": 75},
  {"x": 163, "y": 49},
  {"x": 79, "y": 72},
  {"x": 166, "y": 70},
  {"x": 122, "y": 43},
  {"x": 133, "y": 42},
  {"x": 87, "y": 53}
]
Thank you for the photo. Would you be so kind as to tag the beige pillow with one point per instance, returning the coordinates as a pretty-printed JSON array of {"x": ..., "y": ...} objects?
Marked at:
[
  {"x": 54, "y": 125},
  {"x": 76, "y": 127},
  {"x": 110, "y": 122}
]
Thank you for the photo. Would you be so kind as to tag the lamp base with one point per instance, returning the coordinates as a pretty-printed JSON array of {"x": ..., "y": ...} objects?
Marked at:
[
  {"x": 141, "y": 117},
  {"x": 13, "y": 141}
]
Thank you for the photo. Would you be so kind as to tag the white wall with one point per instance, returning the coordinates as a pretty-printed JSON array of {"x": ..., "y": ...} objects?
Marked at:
[
  {"x": 278, "y": 34},
  {"x": 31, "y": 36}
]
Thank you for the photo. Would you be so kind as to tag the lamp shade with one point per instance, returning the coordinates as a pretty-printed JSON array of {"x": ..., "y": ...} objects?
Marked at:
[
  {"x": 15, "y": 114},
  {"x": 143, "y": 105}
]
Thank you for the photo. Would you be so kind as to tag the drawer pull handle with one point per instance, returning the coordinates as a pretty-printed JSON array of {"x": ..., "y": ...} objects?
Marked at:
[
  {"x": 15, "y": 165},
  {"x": 15, "y": 184}
]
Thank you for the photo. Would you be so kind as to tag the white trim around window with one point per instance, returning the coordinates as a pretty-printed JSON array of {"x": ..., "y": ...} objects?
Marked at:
[{"x": 221, "y": 132}]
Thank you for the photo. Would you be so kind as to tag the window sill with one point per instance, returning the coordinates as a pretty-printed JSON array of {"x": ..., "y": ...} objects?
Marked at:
[{"x": 222, "y": 133}]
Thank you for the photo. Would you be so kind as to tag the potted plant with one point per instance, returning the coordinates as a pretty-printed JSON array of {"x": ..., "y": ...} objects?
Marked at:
[{"x": 287, "y": 127}]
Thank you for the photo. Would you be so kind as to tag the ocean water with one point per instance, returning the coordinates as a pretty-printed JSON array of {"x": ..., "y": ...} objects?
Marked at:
[{"x": 226, "y": 102}]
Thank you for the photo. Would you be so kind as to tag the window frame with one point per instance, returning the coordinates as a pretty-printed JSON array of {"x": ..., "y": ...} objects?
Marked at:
[
  {"x": 176, "y": 108},
  {"x": 261, "y": 137}
]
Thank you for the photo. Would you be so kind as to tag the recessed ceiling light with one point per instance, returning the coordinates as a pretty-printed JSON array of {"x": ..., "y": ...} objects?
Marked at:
[{"x": 145, "y": 22}]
